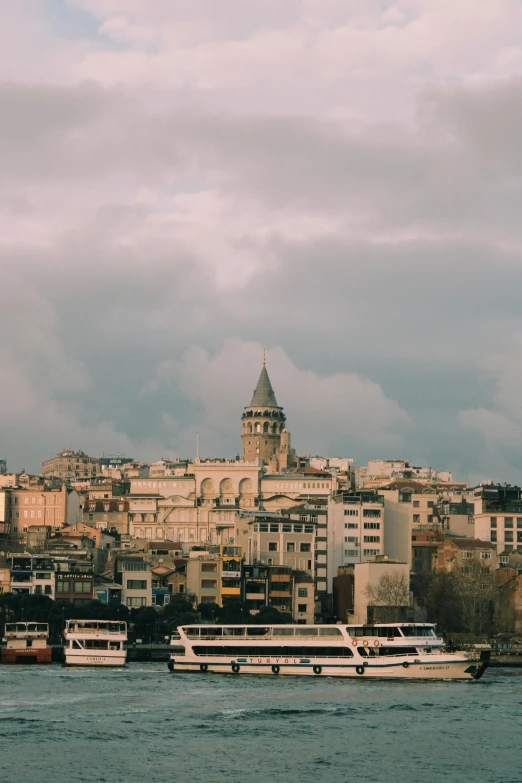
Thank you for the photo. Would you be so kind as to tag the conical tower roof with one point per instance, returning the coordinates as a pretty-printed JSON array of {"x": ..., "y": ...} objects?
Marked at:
[{"x": 264, "y": 396}]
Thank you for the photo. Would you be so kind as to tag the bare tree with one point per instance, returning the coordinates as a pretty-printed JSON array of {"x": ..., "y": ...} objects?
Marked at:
[
  {"x": 477, "y": 591},
  {"x": 391, "y": 594}
]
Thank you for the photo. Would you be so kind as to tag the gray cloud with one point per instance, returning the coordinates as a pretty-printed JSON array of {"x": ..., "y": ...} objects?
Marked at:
[{"x": 153, "y": 237}]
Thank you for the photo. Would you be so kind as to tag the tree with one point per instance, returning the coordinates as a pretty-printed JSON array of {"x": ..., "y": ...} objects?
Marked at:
[
  {"x": 269, "y": 615},
  {"x": 391, "y": 595},
  {"x": 180, "y": 611},
  {"x": 443, "y": 603},
  {"x": 477, "y": 592}
]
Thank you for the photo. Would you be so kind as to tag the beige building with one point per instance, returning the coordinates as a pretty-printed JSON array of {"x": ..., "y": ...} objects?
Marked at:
[
  {"x": 369, "y": 575},
  {"x": 69, "y": 465},
  {"x": 274, "y": 540},
  {"x": 52, "y": 508},
  {"x": 285, "y": 490},
  {"x": 215, "y": 574}
]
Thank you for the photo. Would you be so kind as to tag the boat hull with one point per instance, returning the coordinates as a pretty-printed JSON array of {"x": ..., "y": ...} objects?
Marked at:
[
  {"x": 406, "y": 670},
  {"x": 81, "y": 658},
  {"x": 27, "y": 656}
]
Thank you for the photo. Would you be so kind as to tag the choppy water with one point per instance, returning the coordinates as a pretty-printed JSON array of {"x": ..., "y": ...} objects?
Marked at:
[{"x": 145, "y": 725}]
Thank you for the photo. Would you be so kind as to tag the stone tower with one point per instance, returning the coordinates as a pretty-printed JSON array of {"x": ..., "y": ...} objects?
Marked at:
[{"x": 263, "y": 422}]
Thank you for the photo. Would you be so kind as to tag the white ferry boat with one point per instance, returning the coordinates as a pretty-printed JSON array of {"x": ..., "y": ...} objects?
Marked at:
[
  {"x": 26, "y": 643},
  {"x": 95, "y": 643},
  {"x": 394, "y": 650}
]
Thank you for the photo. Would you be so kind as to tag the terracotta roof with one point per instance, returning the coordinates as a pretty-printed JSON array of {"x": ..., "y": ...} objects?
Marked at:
[{"x": 470, "y": 543}]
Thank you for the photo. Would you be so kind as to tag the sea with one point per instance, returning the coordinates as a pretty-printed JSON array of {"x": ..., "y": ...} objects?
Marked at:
[{"x": 142, "y": 724}]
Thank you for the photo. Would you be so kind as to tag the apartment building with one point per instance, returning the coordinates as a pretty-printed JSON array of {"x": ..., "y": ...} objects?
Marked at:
[
  {"x": 69, "y": 464},
  {"x": 214, "y": 575},
  {"x": 498, "y": 516},
  {"x": 136, "y": 582},
  {"x": 31, "y": 575},
  {"x": 463, "y": 554},
  {"x": 52, "y": 508},
  {"x": 273, "y": 540},
  {"x": 355, "y": 529}
]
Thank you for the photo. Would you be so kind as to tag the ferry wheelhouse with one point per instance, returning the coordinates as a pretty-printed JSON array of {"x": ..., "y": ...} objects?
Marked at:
[
  {"x": 26, "y": 643},
  {"x": 95, "y": 643},
  {"x": 393, "y": 650}
]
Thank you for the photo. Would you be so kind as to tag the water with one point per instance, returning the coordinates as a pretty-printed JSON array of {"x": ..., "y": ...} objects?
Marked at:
[{"x": 144, "y": 725}]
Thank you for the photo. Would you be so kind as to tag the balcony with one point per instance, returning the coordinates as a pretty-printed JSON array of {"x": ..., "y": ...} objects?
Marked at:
[{"x": 280, "y": 593}]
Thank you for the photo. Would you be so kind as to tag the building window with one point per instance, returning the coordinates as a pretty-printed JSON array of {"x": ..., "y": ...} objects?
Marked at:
[
  {"x": 519, "y": 536},
  {"x": 508, "y": 522},
  {"x": 209, "y": 583},
  {"x": 302, "y": 592},
  {"x": 467, "y": 555},
  {"x": 209, "y": 567},
  {"x": 305, "y": 548},
  {"x": 308, "y": 528},
  {"x": 493, "y": 522},
  {"x": 485, "y": 555},
  {"x": 287, "y": 528},
  {"x": 416, "y": 504},
  {"x": 301, "y": 608},
  {"x": 63, "y": 586},
  {"x": 374, "y": 525},
  {"x": 416, "y": 517},
  {"x": 298, "y": 528},
  {"x": 508, "y": 535},
  {"x": 351, "y": 512},
  {"x": 136, "y": 601},
  {"x": 371, "y": 512},
  {"x": 208, "y": 599},
  {"x": 82, "y": 587},
  {"x": 351, "y": 525},
  {"x": 137, "y": 584},
  {"x": 274, "y": 528},
  {"x": 493, "y": 536},
  {"x": 290, "y": 547},
  {"x": 351, "y": 539},
  {"x": 272, "y": 546},
  {"x": 263, "y": 528},
  {"x": 371, "y": 552},
  {"x": 519, "y": 522},
  {"x": 372, "y": 539}
]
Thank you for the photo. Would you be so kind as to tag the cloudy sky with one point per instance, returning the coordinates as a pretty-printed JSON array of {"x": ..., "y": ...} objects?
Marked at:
[{"x": 187, "y": 181}]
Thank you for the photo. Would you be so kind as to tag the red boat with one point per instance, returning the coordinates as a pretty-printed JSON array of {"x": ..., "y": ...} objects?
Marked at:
[{"x": 26, "y": 643}]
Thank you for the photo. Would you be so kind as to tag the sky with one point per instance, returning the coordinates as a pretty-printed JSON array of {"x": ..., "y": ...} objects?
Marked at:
[{"x": 185, "y": 183}]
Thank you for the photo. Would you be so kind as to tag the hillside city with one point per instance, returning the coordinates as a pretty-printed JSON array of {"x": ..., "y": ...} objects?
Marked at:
[{"x": 271, "y": 536}]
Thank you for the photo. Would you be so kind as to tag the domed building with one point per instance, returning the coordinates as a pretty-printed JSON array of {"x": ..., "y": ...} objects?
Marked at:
[{"x": 264, "y": 434}]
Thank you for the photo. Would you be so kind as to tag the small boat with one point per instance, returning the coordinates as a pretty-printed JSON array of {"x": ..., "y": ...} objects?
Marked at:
[
  {"x": 26, "y": 643},
  {"x": 95, "y": 643},
  {"x": 390, "y": 651}
]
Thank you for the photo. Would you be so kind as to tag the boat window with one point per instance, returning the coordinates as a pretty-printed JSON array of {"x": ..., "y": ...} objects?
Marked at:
[
  {"x": 114, "y": 646},
  {"x": 367, "y": 652},
  {"x": 354, "y": 630},
  {"x": 192, "y": 633},
  {"x": 280, "y": 631},
  {"x": 418, "y": 630},
  {"x": 96, "y": 644},
  {"x": 10, "y": 627},
  {"x": 330, "y": 631},
  {"x": 178, "y": 650},
  {"x": 293, "y": 651},
  {"x": 76, "y": 644},
  {"x": 211, "y": 631},
  {"x": 305, "y": 631},
  {"x": 387, "y": 633},
  {"x": 42, "y": 627},
  {"x": 257, "y": 630},
  {"x": 21, "y": 626},
  {"x": 233, "y": 631}
]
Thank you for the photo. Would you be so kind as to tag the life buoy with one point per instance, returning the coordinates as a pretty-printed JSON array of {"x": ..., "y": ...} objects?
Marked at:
[
  {"x": 171, "y": 666},
  {"x": 405, "y": 664},
  {"x": 318, "y": 669},
  {"x": 203, "y": 667},
  {"x": 354, "y": 643},
  {"x": 359, "y": 669},
  {"x": 376, "y": 643},
  {"x": 235, "y": 668},
  {"x": 365, "y": 642},
  {"x": 276, "y": 669}
]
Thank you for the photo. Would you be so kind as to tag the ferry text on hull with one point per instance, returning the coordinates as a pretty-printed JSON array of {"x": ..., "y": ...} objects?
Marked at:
[
  {"x": 394, "y": 650},
  {"x": 95, "y": 643},
  {"x": 26, "y": 643}
]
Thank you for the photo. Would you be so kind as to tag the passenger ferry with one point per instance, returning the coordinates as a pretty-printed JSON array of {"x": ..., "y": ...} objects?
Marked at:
[
  {"x": 394, "y": 650},
  {"x": 26, "y": 643},
  {"x": 95, "y": 643}
]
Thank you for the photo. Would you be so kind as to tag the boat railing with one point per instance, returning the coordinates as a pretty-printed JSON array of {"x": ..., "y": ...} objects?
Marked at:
[{"x": 102, "y": 630}]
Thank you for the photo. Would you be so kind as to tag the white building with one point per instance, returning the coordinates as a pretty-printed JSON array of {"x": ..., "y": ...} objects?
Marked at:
[
  {"x": 136, "y": 584},
  {"x": 355, "y": 530},
  {"x": 380, "y": 471}
]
